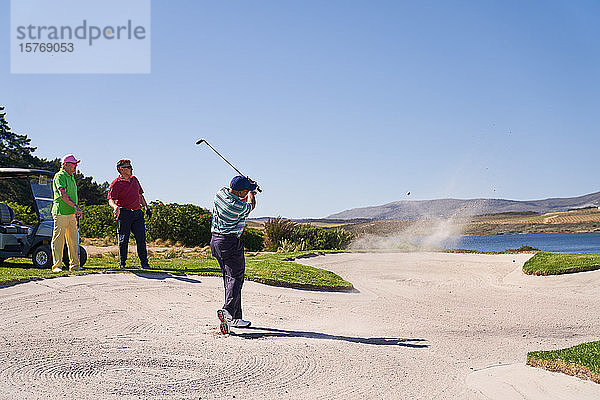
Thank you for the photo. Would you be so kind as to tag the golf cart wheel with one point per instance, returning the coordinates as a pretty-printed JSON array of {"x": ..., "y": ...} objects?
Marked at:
[
  {"x": 42, "y": 256},
  {"x": 82, "y": 256}
]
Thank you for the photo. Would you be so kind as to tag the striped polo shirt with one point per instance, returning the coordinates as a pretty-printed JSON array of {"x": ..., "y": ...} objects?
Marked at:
[{"x": 229, "y": 213}]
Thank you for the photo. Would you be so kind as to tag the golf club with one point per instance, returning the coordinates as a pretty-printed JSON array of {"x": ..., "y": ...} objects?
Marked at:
[{"x": 224, "y": 159}]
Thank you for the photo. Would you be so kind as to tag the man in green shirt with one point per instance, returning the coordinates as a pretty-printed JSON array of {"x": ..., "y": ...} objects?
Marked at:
[{"x": 65, "y": 213}]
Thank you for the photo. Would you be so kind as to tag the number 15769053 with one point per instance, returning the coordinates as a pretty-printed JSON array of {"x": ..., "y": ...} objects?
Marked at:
[{"x": 36, "y": 47}]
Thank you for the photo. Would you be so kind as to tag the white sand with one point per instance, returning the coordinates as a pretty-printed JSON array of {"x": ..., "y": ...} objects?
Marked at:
[{"x": 419, "y": 326}]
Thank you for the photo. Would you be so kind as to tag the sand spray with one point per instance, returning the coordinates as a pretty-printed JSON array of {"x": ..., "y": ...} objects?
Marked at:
[{"x": 425, "y": 233}]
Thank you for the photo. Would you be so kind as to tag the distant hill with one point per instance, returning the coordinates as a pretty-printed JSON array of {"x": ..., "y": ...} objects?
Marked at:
[{"x": 445, "y": 208}]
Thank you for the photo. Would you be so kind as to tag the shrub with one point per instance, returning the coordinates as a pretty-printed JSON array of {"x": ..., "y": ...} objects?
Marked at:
[
  {"x": 97, "y": 222},
  {"x": 185, "y": 223},
  {"x": 24, "y": 214},
  {"x": 342, "y": 237},
  {"x": 287, "y": 246},
  {"x": 285, "y": 235},
  {"x": 307, "y": 237},
  {"x": 252, "y": 239},
  {"x": 277, "y": 230}
]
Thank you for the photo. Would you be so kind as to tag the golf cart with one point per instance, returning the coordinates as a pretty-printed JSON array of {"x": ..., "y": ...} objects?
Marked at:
[{"x": 20, "y": 240}]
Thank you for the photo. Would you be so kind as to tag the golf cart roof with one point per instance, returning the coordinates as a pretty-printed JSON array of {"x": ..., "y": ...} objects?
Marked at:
[{"x": 6, "y": 173}]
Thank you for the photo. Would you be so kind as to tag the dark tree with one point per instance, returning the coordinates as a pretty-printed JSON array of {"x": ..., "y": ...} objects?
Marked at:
[
  {"x": 15, "y": 149},
  {"x": 16, "y": 152},
  {"x": 90, "y": 192}
]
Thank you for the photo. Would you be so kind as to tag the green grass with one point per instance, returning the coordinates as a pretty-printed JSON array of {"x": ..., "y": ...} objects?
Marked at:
[
  {"x": 270, "y": 269},
  {"x": 522, "y": 249},
  {"x": 544, "y": 263},
  {"x": 582, "y": 360},
  {"x": 277, "y": 270}
]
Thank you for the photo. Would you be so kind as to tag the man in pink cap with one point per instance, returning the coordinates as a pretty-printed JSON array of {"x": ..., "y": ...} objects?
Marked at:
[{"x": 65, "y": 213}]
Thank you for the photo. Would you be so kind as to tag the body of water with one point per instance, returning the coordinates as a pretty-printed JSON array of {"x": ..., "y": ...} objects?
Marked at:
[{"x": 554, "y": 242}]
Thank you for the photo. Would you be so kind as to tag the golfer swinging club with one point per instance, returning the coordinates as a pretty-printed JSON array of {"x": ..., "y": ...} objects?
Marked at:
[{"x": 232, "y": 207}]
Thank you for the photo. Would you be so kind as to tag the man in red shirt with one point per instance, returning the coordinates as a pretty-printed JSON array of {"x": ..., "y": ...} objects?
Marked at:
[{"x": 126, "y": 198}]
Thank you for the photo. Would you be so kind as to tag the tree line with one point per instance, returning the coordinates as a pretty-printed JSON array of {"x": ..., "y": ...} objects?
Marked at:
[
  {"x": 184, "y": 223},
  {"x": 16, "y": 151}
]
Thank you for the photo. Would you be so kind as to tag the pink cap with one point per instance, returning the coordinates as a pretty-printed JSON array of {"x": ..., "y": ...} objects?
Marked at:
[{"x": 70, "y": 158}]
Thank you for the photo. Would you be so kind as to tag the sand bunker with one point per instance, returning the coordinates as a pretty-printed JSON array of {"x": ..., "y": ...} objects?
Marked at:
[{"x": 420, "y": 325}]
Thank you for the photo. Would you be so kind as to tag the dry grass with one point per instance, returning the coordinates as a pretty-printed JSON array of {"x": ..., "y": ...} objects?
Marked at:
[
  {"x": 99, "y": 242},
  {"x": 582, "y": 361},
  {"x": 576, "y": 370},
  {"x": 562, "y": 217},
  {"x": 571, "y": 217}
]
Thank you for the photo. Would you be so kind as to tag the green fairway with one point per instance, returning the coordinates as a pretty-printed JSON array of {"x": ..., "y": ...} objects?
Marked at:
[
  {"x": 544, "y": 263},
  {"x": 276, "y": 270},
  {"x": 522, "y": 249},
  {"x": 270, "y": 269},
  {"x": 582, "y": 360}
]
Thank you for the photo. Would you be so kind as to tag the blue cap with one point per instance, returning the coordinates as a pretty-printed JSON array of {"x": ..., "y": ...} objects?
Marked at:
[{"x": 242, "y": 183}]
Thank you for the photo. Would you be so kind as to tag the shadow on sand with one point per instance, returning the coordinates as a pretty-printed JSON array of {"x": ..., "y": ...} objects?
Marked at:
[
  {"x": 162, "y": 276},
  {"x": 379, "y": 341}
]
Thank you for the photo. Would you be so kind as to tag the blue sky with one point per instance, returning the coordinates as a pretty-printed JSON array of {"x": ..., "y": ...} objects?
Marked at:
[{"x": 338, "y": 104}]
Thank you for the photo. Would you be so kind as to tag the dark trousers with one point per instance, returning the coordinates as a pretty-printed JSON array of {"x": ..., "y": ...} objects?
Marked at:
[
  {"x": 229, "y": 252},
  {"x": 132, "y": 222}
]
